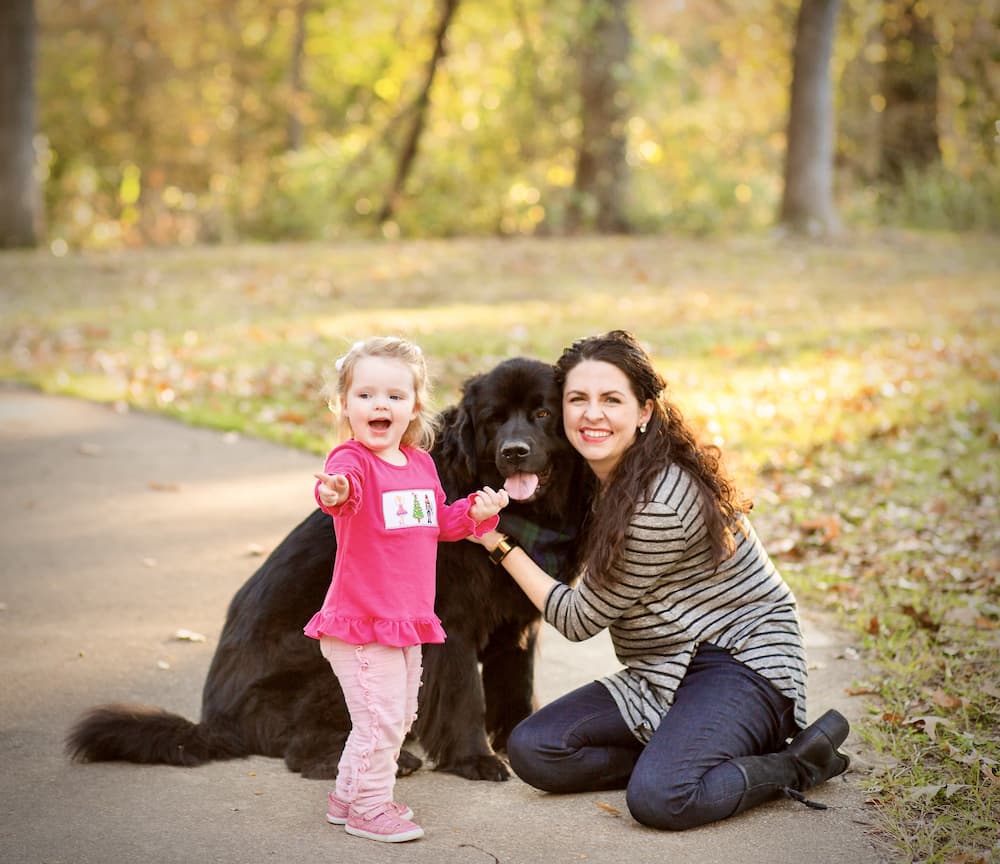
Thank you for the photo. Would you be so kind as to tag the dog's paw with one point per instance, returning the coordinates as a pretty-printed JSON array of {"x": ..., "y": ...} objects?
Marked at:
[
  {"x": 316, "y": 770},
  {"x": 407, "y": 763},
  {"x": 481, "y": 767}
]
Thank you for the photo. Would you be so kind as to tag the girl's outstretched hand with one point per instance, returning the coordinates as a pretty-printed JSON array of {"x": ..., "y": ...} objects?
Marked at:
[
  {"x": 488, "y": 502},
  {"x": 333, "y": 489}
]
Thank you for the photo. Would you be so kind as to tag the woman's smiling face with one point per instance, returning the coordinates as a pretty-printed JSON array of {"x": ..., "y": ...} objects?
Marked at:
[{"x": 601, "y": 414}]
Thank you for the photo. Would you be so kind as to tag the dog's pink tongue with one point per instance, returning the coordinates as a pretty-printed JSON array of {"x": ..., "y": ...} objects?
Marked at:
[{"x": 520, "y": 486}]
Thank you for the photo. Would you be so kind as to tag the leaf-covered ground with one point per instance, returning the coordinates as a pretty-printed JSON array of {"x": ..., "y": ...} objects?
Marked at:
[{"x": 855, "y": 389}]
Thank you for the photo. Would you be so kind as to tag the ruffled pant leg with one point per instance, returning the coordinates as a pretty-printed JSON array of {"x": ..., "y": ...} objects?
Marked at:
[
  {"x": 374, "y": 680},
  {"x": 414, "y": 670}
]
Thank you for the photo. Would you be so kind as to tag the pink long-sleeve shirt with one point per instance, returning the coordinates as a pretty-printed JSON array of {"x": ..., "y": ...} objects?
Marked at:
[{"x": 387, "y": 530}]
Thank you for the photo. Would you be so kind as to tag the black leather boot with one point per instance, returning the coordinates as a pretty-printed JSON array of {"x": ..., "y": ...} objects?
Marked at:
[
  {"x": 815, "y": 752},
  {"x": 810, "y": 758}
]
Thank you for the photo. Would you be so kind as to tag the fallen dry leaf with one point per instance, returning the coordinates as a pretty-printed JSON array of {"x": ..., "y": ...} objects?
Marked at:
[
  {"x": 607, "y": 808},
  {"x": 973, "y": 758},
  {"x": 945, "y": 700},
  {"x": 849, "y": 590},
  {"x": 929, "y": 723},
  {"x": 785, "y": 547},
  {"x": 862, "y": 690},
  {"x": 828, "y": 527},
  {"x": 991, "y": 690},
  {"x": 949, "y": 789},
  {"x": 962, "y": 616},
  {"x": 921, "y": 616}
]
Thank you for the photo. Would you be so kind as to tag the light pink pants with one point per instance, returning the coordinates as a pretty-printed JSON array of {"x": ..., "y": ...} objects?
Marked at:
[{"x": 380, "y": 684}]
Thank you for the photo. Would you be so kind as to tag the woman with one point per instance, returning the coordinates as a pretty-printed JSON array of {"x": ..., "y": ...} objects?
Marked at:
[{"x": 695, "y": 726}]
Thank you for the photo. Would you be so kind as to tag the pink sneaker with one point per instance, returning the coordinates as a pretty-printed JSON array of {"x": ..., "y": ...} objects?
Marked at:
[
  {"x": 337, "y": 810},
  {"x": 383, "y": 824}
]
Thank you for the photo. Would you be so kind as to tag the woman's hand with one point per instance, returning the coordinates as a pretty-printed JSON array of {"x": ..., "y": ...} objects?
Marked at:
[{"x": 489, "y": 540}]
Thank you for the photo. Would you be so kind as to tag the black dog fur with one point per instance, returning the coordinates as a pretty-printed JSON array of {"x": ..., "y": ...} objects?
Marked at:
[{"x": 270, "y": 692}]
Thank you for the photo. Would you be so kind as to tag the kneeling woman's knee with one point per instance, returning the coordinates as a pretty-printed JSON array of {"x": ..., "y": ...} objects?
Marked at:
[
  {"x": 652, "y": 803},
  {"x": 522, "y": 751},
  {"x": 527, "y": 754}
]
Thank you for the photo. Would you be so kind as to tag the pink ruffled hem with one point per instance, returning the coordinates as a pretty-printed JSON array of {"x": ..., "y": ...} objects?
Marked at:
[{"x": 385, "y": 631}]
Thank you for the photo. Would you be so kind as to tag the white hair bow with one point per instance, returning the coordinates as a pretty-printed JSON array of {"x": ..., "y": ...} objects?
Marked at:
[{"x": 340, "y": 361}]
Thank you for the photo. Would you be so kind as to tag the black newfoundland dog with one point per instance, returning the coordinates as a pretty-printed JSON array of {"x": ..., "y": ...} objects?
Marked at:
[{"x": 270, "y": 692}]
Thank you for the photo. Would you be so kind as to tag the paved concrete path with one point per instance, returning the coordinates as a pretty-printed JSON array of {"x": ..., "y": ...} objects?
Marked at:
[{"x": 119, "y": 530}]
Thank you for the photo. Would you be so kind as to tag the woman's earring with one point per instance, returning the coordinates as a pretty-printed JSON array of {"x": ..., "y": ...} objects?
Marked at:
[{"x": 642, "y": 429}]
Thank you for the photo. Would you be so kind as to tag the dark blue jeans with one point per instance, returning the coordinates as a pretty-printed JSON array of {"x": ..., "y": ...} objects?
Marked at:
[{"x": 680, "y": 779}]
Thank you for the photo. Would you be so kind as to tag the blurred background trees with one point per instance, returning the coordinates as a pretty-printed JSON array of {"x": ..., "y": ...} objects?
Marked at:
[
  {"x": 19, "y": 205},
  {"x": 183, "y": 121}
]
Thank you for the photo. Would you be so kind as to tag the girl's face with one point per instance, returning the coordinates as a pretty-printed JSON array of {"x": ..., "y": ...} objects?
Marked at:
[
  {"x": 380, "y": 403},
  {"x": 601, "y": 414}
]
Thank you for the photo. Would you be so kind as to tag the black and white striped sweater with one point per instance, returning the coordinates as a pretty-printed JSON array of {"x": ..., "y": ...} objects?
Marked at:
[{"x": 667, "y": 598}]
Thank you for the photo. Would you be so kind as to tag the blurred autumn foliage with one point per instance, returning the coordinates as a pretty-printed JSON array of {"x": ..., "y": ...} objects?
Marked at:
[
  {"x": 175, "y": 121},
  {"x": 854, "y": 387}
]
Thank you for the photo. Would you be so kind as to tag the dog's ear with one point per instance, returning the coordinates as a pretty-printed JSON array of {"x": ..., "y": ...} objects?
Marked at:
[
  {"x": 465, "y": 440},
  {"x": 457, "y": 437}
]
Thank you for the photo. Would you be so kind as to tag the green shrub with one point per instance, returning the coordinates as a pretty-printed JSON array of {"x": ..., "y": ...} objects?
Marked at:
[{"x": 940, "y": 199}]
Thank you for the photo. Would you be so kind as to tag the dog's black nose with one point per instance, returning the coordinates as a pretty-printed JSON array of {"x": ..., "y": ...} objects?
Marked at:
[{"x": 514, "y": 450}]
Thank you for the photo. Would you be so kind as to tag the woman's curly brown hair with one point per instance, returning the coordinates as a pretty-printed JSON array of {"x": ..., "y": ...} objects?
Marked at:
[{"x": 667, "y": 440}]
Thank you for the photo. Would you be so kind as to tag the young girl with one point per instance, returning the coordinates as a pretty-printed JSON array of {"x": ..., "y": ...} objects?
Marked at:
[{"x": 389, "y": 512}]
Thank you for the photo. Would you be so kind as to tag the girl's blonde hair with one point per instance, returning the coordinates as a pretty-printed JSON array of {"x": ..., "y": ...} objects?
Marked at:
[{"x": 421, "y": 431}]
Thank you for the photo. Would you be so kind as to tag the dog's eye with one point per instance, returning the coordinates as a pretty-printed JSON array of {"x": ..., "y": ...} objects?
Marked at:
[{"x": 543, "y": 413}]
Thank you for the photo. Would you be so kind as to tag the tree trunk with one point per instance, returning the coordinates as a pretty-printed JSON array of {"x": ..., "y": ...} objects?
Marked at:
[
  {"x": 910, "y": 85},
  {"x": 408, "y": 153},
  {"x": 600, "y": 185},
  {"x": 295, "y": 77},
  {"x": 807, "y": 202},
  {"x": 20, "y": 207},
  {"x": 139, "y": 214},
  {"x": 859, "y": 135}
]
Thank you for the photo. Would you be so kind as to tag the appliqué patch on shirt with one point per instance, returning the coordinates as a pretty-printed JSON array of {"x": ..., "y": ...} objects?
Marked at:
[{"x": 409, "y": 508}]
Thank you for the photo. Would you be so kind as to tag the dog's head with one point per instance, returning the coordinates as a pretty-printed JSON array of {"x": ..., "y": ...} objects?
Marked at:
[{"x": 505, "y": 432}]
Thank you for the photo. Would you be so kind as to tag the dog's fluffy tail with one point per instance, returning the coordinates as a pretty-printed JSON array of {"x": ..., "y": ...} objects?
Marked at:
[{"x": 139, "y": 733}]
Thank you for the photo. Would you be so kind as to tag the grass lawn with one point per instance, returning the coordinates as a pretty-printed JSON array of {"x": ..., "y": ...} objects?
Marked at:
[{"x": 854, "y": 387}]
